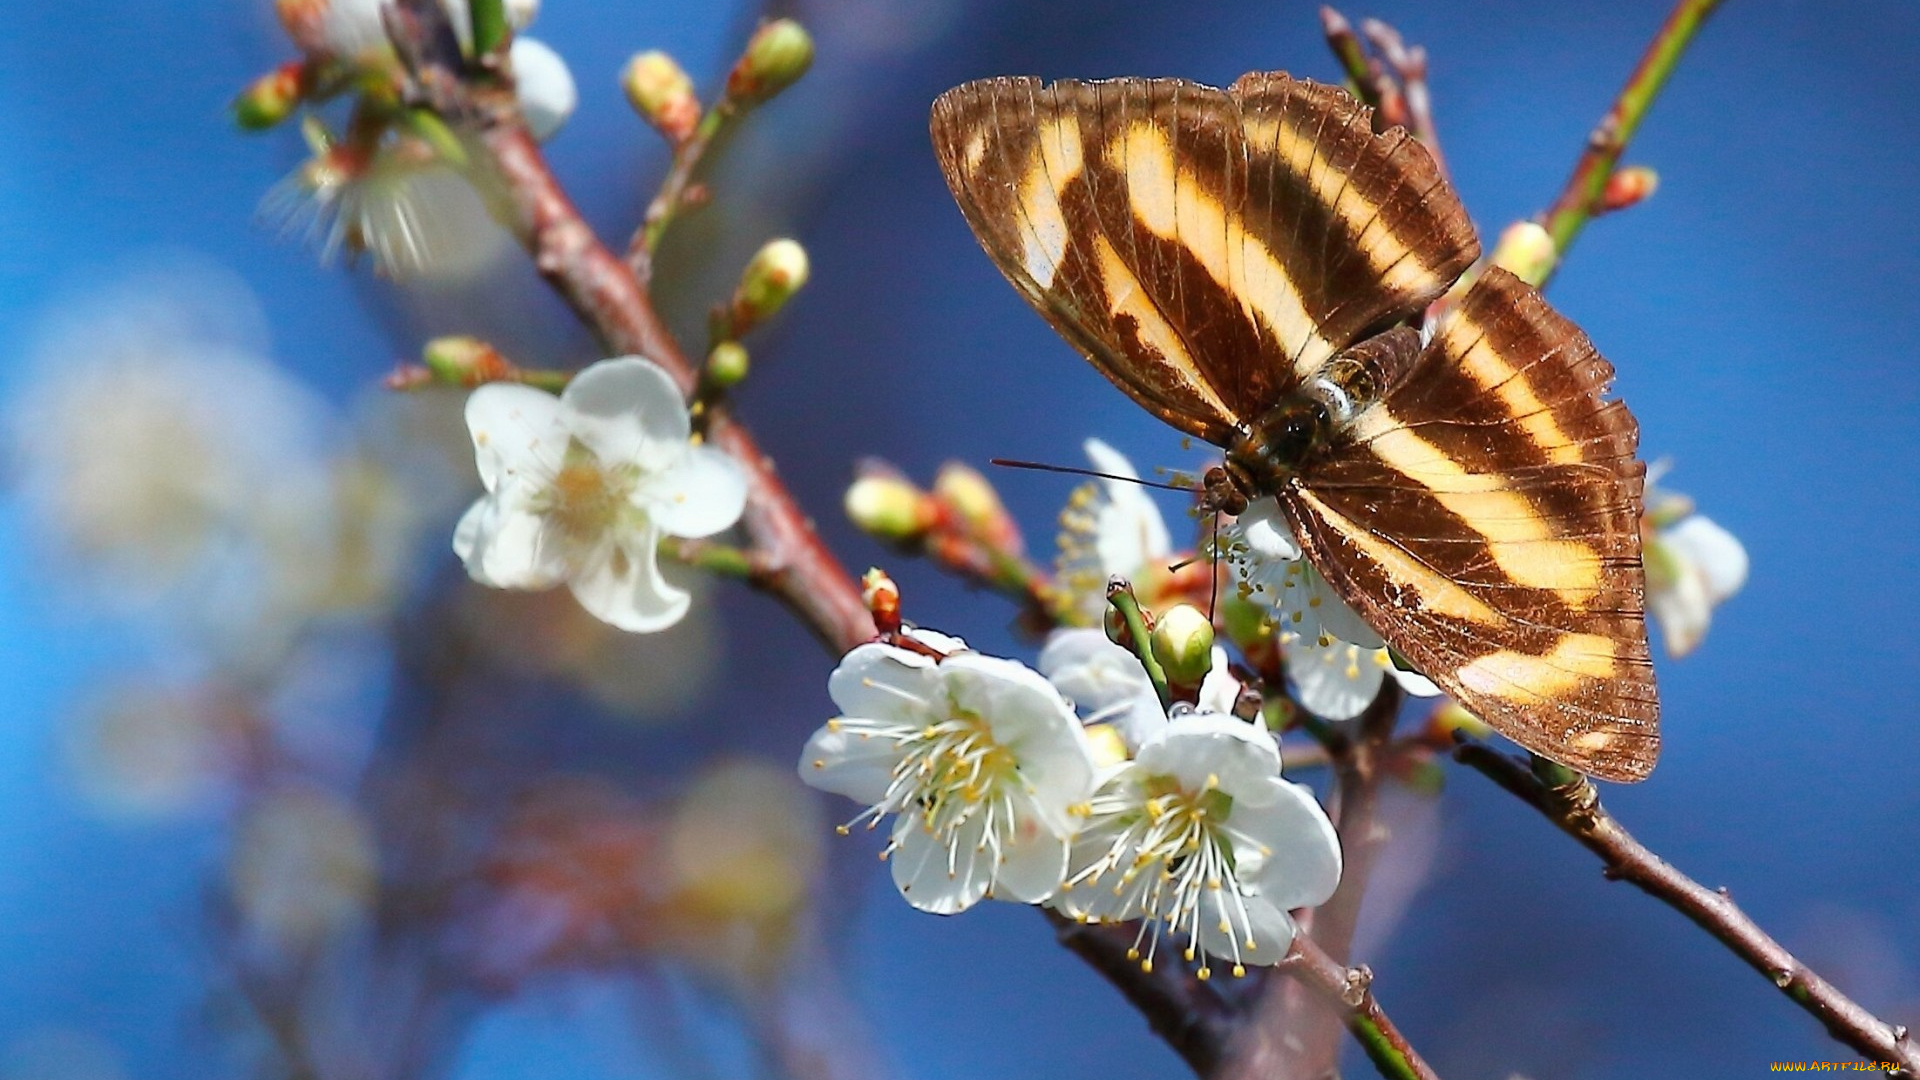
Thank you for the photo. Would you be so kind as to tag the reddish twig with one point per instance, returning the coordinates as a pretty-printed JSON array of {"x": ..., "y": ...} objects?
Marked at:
[
  {"x": 1408, "y": 66},
  {"x": 1571, "y": 802},
  {"x": 1370, "y": 83},
  {"x": 1348, "y": 992},
  {"x": 1188, "y": 1016}
]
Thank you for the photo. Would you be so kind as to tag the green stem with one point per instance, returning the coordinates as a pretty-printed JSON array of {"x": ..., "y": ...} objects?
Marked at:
[
  {"x": 1120, "y": 595},
  {"x": 489, "y": 25},
  {"x": 672, "y": 197},
  {"x": 1581, "y": 196},
  {"x": 723, "y": 559}
]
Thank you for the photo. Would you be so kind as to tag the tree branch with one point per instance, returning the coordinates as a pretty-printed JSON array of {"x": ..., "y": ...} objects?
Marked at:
[
  {"x": 1570, "y": 801},
  {"x": 1579, "y": 200},
  {"x": 1349, "y": 992},
  {"x": 603, "y": 291},
  {"x": 1189, "y": 1017}
]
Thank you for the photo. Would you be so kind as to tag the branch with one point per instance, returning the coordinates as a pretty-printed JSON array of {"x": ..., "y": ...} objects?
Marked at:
[
  {"x": 1580, "y": 199},
  {"x": 1570, "y": 801},
  {"x": 1349, "y": 992},
  {"x": 1408, "y": 65},
  {"x": 603, "y": 291},
  {"x": 1191, "y": 1019}
]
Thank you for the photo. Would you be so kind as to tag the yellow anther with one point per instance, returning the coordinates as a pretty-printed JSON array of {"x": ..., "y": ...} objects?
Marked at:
[
  {"x": 1204, "y": 973},
  {"x": 1239, "y": 971}
]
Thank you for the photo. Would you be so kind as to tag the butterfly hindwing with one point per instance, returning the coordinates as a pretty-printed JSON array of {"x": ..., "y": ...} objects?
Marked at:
[
  {"x": 1203, "y": 248},
  {"x": 1484, "y": 517}
]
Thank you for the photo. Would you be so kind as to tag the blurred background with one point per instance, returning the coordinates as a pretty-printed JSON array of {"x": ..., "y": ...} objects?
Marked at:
[{"x": 282, "y": 795}]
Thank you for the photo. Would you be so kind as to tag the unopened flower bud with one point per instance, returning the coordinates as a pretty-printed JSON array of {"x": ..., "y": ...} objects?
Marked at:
[
  {"x": 1527, "y": 251},
  {"x": 1182, "y": 641},
  {"x": 270, "y": 99},
  {"x": 971, "y": 498},
  {"x": 661, "y": 92},
  {"x": 776, "y": 56},
  {"x": 727, "y": 365},
  {"x": 464, "y": 361},
  {"x": 889, "y": 508},
  {"x": 777, "y": 271},
  {"x": 1628, "y": 186},
  {"x": 1108, "y": 745},
  {"x": 882, "y": 598}
]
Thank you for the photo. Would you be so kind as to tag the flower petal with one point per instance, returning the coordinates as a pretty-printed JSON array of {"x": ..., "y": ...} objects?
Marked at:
[
  {"x": 698, "y": 495},
  {"x": 1264, "y": 529},
  {"x": 628, "y": 410},
  {"x": 1718, "y": 555},
  {"x": 881, "y": 682},
  {"x": 1033, "y": 863},
  {"x": 516, "y": 430},
  {"x": 508, "y": 548},
  {"x": 1269, "y": 930},
  {"x": 921, "y": 867},
  {"x": 1131, "y": 533},
  {"x": 847, "y": 763},
  {"x": 1103, "y": 682},
  {"x": 1201, "y": 750},
  {"x": 620, "y": 584},
  {"x": 1336, "y": 681},
  {"x": 1029, "y": 717},
  {"x": 1301, "y": 864}
]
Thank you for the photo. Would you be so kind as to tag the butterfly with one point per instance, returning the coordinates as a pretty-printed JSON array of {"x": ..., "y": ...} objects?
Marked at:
[{"x": 1245, "y": 264}]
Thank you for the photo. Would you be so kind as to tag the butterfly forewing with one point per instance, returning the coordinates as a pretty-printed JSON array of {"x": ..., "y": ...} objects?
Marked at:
[
  {"x": 1484, "y": 517},
  {"x": 1204, "y": 248}
]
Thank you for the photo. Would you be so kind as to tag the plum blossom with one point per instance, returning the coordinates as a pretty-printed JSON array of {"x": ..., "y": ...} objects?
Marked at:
[
  {"x": 1109, "y": 527},
  {"x": 1268, "y": 561},
  {"x": 980, "y": 761},
  {"x": 1693, "y": 566},
  {"x": 581, "y": 488},
  {"x": 1104, "y": 682},
  {"x": 1200, "y": 839},
  {"x": 1337, "y": 680}
]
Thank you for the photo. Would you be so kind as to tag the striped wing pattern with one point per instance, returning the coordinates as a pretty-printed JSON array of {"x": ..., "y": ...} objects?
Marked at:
[
  {"x": 1484, "y": 516},
  {"x": 1205, "y": 249}
]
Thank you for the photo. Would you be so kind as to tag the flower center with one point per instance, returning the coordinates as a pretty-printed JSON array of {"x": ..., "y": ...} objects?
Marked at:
[
  {"x": 1170, "y": 860},
  {"x": 585, "y": 499}
]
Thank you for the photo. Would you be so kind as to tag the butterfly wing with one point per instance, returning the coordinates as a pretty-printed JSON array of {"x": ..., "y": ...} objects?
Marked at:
[
  {"x": 1484, "y": 516},
  {"x": 1203, "y": 248}
]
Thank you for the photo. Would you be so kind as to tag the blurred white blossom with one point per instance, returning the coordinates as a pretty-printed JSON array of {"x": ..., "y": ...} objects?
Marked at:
[
  {"x": 581, "y": 489},
  {"x": 981, "y": 762},
  {"x": 1110, "y": 527},
  {"x": 544, "y": 86},
  {"x": 1693, "y": 566},
  {"x": 1104, "y": 682}
]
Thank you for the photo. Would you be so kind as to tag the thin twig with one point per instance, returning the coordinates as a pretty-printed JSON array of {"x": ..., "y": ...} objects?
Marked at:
[
  {"x": 1580, "y": 198},
  {"x": 677, "y": 188},
  {"x": 1409, "y": 67},
  {"x": 1371, "y": 84},
  {"x": 1575, "y": 807}
]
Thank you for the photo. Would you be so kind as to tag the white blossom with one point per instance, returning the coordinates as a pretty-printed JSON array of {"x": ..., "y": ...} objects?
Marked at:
[
  {"x": 1104, "y": 682},
  {"x": 979, "y": 760},
  {"x": 1110, "y": 527},
  {"x": 1200, "y": 838},
  {"x": 1337, "y": 680},
  {"x": 1267, "y": 559},
  {"x": 1692, "y": 567},
  {"x": 581, "y": 488},
  {"x": 543, "y": 85}
]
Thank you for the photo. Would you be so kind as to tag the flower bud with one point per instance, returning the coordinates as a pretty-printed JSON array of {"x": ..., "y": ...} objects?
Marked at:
[
  {"x": 270, "y": 99},
  {"x": 882, "y": 598},
  {"x": 1526, "y": 250},
  {"x": 464, "y": 361},
  {"x": 777, "y": 271},
  {"x": 1628, "y": 186},
  {"x": 727, "y": 365},
  {"x": 971, "y": 498},
  {"x": 889, "y": 508},
  {"x": 662, "y": 94},
  {"x": 776, "y": 56},
  {"x": 1182, "y": 640}
]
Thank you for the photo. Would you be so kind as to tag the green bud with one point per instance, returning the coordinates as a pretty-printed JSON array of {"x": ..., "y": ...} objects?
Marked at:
[
  {"x": 889, "y": 508},
  {"x": 777, "y": 271},
  {"x": 776, "y": 56},
  {"x": 270, "y": 99},
  {"x": 727, "y": 365},
  {"x": 464, "y": 361},
  {"x": 1527, "y": 251},
  {"x": 660, "y": 91},
  {"x": 1182, "y": 640}
]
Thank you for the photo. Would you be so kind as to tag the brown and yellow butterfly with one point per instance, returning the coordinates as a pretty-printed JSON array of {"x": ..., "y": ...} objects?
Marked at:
[{"x": 1244, "y": 264}]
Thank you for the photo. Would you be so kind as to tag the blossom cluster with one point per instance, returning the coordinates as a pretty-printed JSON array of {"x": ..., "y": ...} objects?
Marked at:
[{"x": 995, "y": 788}]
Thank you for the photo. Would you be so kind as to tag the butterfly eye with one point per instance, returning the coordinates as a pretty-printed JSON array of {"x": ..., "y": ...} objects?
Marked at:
[{"x": 1292, "y": 431}]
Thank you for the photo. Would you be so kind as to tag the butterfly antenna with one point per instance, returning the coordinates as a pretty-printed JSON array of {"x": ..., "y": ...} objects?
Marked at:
[{"x": 1040, "y": 466}]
